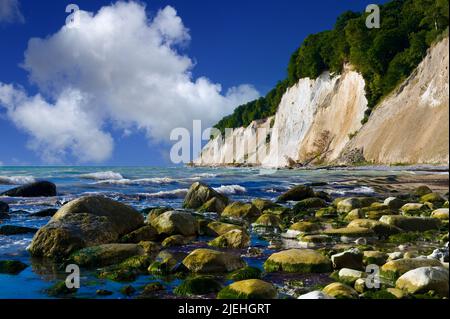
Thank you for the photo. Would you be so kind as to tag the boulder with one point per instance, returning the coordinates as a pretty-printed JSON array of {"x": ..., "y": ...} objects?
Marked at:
[
  {"x": 264, "y": 204},
  {"x": 175, "y": 240},
  {"x": 297, "y": 193},
  {"x": 308, "y": 203},
  {"x": 104, "y": 255},
  {"x": 214, "y": 205},
  {"x": 215, "y": 229},
  {"x": 9, "y": 230},
  {"x": 241, "y": 210},
  {"x": 441, "y": 214},
  {"x": 422, "y": 190},
  {"x": 407, "y": 223},
  {"x": 340, "y": 291},
  {"x": 350, "y": 276},
  {"x": 305, "y": 227},
  {"x": 199, "y": 193},
  {"x": 379, "y": 228},
  {"x": 434, "y": 198},
  {"x": 249, "y": 289},
  {"x": 400, "y": 266},
  {"x": 354, "y": 214},
  {"x": 350, "y": 232},
  {"x": 175, "y": 223},
  {"x": 315, "y": 239},
  {"x": 298, "y": 261},
  {"x": 4, "y": 207},
  {"x": 212, "y": 261},
  {"x": 152, "y": 213},
  {"x": 351, "y": 258},
  {"x": 235, "y": 238},
  {"x": 424, "y": 279},
  {"x": 394, "y": 202},
  {"x": 374, "y": 257},
  {"x": 145, "y": 233},
  {"x": 36, "y": 189},
  {"x": 267, "y": 220},
  {"x": 84, "y": 222},
  {"x": 11, "y": 267},
  {"x": 316, "y": 294},
  {"x": 198, "y": 285},
  {"x": 413, "y": 208},
  {"x": 346, "y": 205},
  {"x": 49, "y": 212}
]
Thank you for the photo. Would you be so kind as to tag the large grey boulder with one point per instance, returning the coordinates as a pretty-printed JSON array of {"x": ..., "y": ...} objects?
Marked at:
[{"x": 36, "y": 189}]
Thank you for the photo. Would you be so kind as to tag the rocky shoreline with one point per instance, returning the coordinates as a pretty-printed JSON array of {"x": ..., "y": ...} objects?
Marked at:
[{"x": 327, "y": 242}]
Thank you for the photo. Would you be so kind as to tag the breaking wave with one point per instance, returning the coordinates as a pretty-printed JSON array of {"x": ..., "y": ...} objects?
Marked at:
[
  {"x": 231, "y": 189},
  {"x": 176, "y": 193},
  {"x": 16, "y": 180},
  {"x": 108, "y": 175}
]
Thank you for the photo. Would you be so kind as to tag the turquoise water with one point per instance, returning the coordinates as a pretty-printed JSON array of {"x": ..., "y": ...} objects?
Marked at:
[{"x": 143, "y": 187}]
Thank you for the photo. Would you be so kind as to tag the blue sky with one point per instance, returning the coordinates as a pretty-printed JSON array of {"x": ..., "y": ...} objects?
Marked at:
[{"x": 231, "y": 43}]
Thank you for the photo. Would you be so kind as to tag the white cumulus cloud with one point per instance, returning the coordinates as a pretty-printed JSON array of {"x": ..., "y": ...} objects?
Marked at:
[
  {"x": 10, "y": 12},
  {"x": 119, "y": 67}
]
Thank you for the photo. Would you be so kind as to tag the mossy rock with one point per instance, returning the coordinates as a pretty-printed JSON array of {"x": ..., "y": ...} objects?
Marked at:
[
  {"x": 214, "y": 205},
  {"x": 298, "y": 261},
  {"x": 377, "y": 214},
  {"x": 313, "y": 202},
  {"x": 127, "y": 290},
  {"x": 350, "y": 276},
  {"x": 378, "y": 294},
  {"x": 354, "y": 214},
  {"x": 407, "y": 223},
  {"x": 350, "y": 232},
  {"x": 327, "y": 212},
  {"x": 424, "y": 279},
  {"x": 241, "y": 210},
  {"x": 315, "y": 239},
  {"x": 249, "y": 289},
  {"x": 340, "y": 291},
  {"x": 413, "y": 209},
  {"x": 104, "y": 255},
  {"x": 305, "y": 227},
  {"x": 215, "y": 229},
  {"x": 264, "y": 204},
  {"x": 145, "y": 233},
  {"x": 176, "y": 223},
  {"x": 434, "y": 198},
  {"x": 200, "y": 193},
  {"x": 11, "y": 267},
  {"x": 398, "y": 267},
  {"x": 152, "y": 288},
  {"x": 421, "y": 191},
  {"x": 198, "y": 285},
  {"x": 212, "y": 261},
  {"x": 268, "y": 220},
  {"x": 235, "y": 238},
  {"x": 175, "y": 240},
  {"x": 346, "y": 205},
  {"x": 245, "y": 273},
  {"x": 297, "y": 193},
  {"x": 60, "y": 289},
  {"x": 441, "y": 214},
  {"x": 394, "y": 203},
  {"x": 373, "y": 257},
  {"x": 375, "y": 207},
  {"x": 150, "y": 248},
  {"x": 379, "y": 228},
  {"x": 154, "y": 212},
  {"x": 118, "y": 274}
]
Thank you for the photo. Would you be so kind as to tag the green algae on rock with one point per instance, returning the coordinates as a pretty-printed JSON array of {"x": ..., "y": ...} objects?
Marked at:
[
  {"x": 245, "y": 273},
  {"x": 12, "y": 267},
  {"x": 235, "y": 238},
  {"x": 298, "y": 261},
  {"x": 198, "y": 285},
  {"x": 212, "y": 261},
  {"x": 241, "y": 210},
  {"x": 248, "y": 289}
]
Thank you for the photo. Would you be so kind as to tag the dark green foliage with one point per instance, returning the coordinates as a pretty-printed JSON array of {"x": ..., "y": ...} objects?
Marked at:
[{"x": 385, "y": 56}]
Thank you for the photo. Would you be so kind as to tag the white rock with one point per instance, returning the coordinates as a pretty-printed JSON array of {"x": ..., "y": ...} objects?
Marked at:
[
  {"x": 317, "y": 294},
  {"x": 423, "y": 279}
]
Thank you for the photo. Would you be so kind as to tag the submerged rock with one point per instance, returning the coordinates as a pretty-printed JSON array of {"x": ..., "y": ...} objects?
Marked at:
[
  {"x": 212, "y": 261},
  {"x": 11, "y": 267},
  {"x": 298, "y": 261},
  {"x": 4, "y": 207},
  {"x": 424, "y": 279},
  {"x": 45, "y": 213},
  {"x": 297, "y": 193},
  {"x": 9, "y": 230},
  {"x": 176, "y": 223},
  {"x": 104, "y": 255},
  {"x": 249, "y": 289},
  {"x": 84, "y": 222},
  {"x": 199, "y": 193},
  {"x": 37, "y": 189}
]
